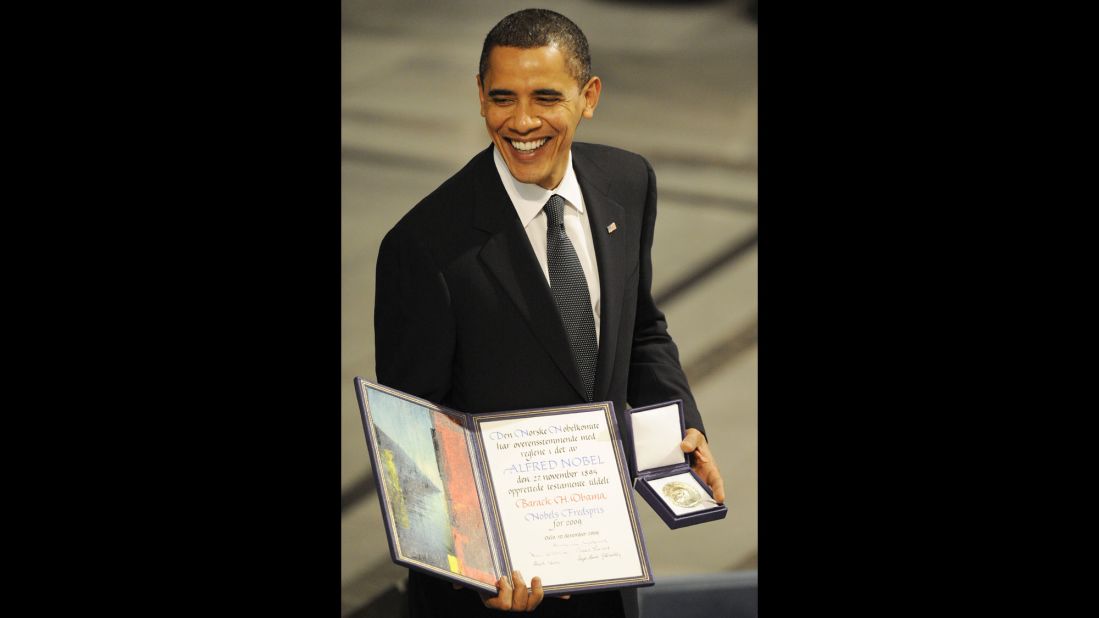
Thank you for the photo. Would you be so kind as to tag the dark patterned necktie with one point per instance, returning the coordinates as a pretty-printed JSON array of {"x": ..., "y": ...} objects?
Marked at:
[{"x": 570, "y": 292}]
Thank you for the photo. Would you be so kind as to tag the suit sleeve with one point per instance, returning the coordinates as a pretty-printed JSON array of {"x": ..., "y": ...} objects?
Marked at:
[
  {"x": 655, "y": 371},
  {"x": 413, "y": 326}
]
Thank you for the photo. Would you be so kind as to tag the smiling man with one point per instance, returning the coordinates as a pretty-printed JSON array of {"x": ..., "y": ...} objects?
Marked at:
[
  {"x": 532, "y": 101},
  {"x": 525, "y": 280}
]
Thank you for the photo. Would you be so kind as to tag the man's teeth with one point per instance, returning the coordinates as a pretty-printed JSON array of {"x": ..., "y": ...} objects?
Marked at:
[{"x": 525, "y": 146}]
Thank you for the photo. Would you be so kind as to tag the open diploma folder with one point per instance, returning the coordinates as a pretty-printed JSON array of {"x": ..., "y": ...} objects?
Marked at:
[{"x": 471, "y": 497}]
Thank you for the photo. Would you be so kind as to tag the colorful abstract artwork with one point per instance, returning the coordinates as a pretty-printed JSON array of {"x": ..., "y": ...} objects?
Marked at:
[{"x": 429, "y": 482}]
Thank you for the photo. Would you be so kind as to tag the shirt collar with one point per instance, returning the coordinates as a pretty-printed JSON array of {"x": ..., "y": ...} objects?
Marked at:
[{"x": 529, "y": 198}]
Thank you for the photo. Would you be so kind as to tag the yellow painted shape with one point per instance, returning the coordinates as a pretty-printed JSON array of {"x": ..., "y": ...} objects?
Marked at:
[{"x": 400, "y": 512}]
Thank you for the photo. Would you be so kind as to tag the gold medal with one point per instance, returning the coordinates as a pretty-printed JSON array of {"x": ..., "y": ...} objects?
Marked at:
[{"x": 681, "y": 494}]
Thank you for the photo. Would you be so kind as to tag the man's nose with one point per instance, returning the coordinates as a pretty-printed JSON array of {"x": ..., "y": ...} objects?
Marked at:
[{"x": 525, "y": 119}]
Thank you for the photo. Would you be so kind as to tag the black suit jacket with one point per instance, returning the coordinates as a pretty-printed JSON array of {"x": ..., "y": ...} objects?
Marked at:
[{"x": 464, "y": 315}]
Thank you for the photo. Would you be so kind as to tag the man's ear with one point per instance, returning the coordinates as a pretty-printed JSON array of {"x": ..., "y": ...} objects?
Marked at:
[
  {"x": 591, "y": 96},
  {"x": 481, "y": 95}
]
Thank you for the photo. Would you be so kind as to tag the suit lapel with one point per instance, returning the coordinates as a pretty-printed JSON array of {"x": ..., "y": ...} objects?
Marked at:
[
  {"x": 508, "y": 256},
  {"x": 610, "y": 255}
]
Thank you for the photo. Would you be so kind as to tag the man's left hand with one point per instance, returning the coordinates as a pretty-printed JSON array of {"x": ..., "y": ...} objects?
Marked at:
[{"x": 704, "y": 465}]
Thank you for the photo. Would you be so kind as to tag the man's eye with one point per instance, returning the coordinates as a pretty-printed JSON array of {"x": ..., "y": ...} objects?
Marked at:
[
  {"x": 548, "y": 100},
  {"x": 502, "y": 101}
]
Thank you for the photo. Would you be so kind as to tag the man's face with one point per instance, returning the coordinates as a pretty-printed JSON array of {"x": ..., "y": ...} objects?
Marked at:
[{"x": 532, "y": 106}]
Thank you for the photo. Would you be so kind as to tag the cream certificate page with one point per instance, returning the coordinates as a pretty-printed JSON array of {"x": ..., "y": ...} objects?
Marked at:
[{"x": 560, "y": 498}]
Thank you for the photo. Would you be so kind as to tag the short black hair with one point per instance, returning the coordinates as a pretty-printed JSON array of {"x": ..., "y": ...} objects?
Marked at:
[{"x": 532, "y": 28}]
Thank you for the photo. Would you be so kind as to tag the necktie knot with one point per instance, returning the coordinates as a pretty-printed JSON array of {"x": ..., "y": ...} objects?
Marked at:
[{"x": 555, "y": 211}]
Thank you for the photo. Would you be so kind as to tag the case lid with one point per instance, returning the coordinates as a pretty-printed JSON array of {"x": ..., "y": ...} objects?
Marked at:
[{"x": 657, "y": 431}]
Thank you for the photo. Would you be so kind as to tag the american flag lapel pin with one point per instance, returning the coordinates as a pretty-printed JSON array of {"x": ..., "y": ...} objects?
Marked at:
[{"x": 611, "y": 228}]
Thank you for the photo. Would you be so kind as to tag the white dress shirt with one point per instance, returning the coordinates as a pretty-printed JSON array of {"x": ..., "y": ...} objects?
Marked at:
[{"x": 529, "y": 199}]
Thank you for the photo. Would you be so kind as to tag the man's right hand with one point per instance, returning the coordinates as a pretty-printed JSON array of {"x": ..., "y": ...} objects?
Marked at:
[
  {"x": 514, "y": 599},
  {"x": 519, "y": 599}
]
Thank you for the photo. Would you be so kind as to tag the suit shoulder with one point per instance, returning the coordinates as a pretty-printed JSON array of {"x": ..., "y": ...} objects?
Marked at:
[
  {"x": 439, "y": 225},
  {"x": 442, "y": 208},
  {"x": 611, "y": 157}
]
